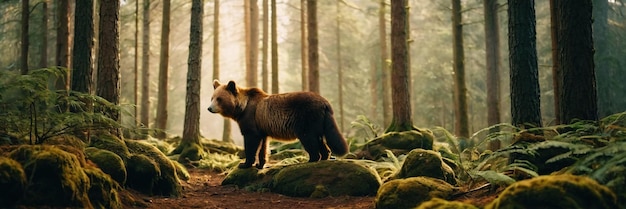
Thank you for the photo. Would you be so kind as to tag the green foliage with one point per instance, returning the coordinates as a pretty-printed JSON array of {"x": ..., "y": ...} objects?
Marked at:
[{"x": 32, "y": 109}]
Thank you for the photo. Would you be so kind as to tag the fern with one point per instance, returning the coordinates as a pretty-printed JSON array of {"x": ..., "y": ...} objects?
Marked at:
[
  {"x": 363, "y": 124},
  {"x": 493, "y": 177}
]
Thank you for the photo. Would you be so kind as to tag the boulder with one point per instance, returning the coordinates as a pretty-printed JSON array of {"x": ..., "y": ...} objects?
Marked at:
[
  {"x": 420, "y": 162},
  {"x": 411, "y": 192},
  {"x": 398, "y": 142}
]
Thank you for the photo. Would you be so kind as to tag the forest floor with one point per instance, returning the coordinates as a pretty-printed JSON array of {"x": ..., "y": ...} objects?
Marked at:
[{"x": 204, "y": 190}]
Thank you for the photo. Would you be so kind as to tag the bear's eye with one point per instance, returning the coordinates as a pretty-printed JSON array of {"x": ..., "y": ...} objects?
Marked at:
[{"x": 219, "y": 99}]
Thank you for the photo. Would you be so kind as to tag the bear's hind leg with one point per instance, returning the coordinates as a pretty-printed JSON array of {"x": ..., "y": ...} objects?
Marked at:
[
  {"x": 311, "y": 145},
  {"x": 262, "y": 153},
  {"x": 324, "y": 151}
]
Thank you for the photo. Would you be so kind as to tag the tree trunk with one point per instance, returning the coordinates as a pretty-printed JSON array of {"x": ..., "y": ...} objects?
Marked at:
[
  {"x": 161, "y": 120},
  {"x": 24, "y": 37},
  {"x": 525, "y": 100},
  {"x": 136, "y": 63},
  {"x": 304, "y": 45},
  {"x": 339, "y": 67},
  {"x": 43, "y": 59},
  {"x": 145, "y": 66},
  {"x": 314, "y": 74},
  {"x": 556, "y": 73},
  {"x": 461, "y": 126},
  {"x": 252, "y": 75},
  {"x": 384, "y": 64},
  {"x": 579, "y": 96},
  {"x": 374, "y": 74},
  {"x": 191, "y": 130},
  {"x": 274, "y": 46},
  {"x": 264, "y": 68},
  {"x": 400, "y": 69},
  {"x": 604, "y": 72},
  {"x": 82, "y": 62},
  {"x": 492, "y": 54},
  {"x": 108, "y": 86},
  {"x": 226, "y": 137},
  {"x": 62, "y": 58}
]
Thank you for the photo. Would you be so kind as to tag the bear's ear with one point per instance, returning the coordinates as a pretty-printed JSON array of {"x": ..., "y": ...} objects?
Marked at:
[
  {"x": 216, "y": 83},
  {"x": 232, "y": 87}
]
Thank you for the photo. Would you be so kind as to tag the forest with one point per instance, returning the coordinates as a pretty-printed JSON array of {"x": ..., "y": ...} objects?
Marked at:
[{"x": 460, "y": 103}]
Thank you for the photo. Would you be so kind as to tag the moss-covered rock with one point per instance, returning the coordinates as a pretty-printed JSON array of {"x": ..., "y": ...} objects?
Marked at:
[
  {"x": 103, "y": 191},
  {"x": 55, "y": 177},
  {"x": 334, "y": 177},
  {"x": 166, "y": 184},
  {"x": 12, "y": 182},
  {"x": 556, "y": 191},
  {"x": 181, "y": 171},
  {"x": 112, "y": 143},
  {"x": 162, "y": 145},
  {"x": 398, "y": 143},
  {"x": 242, "y": 177},
  {"x": 438, "y": 203},
  {"x": 142, "y": 173},
  {"x": 66, "y": 139},
  {"x": 420, "y": 162},
  {"x": 411, "y": 192},
  {"x": 191, "y": 152},
  {"x": 109, "y": 162}
]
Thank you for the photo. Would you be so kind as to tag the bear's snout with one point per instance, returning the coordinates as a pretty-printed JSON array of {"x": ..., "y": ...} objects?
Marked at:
[{"x": 210, "y": 109}]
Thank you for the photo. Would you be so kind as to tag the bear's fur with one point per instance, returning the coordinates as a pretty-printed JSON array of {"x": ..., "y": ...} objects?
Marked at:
[{"x": 303, "y": 115}]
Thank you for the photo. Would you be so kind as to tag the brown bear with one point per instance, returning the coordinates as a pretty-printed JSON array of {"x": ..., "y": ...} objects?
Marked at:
[{"x": 303, "y": 115}]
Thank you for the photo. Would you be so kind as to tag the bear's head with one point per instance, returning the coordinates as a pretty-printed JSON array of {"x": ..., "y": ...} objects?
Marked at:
[{"x": 227, "y": 100}]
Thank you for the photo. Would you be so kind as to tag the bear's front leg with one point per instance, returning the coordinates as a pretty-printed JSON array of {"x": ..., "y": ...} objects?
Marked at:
[
  {"x": 250, "y": 146},
  {"x": 262, "y": 153}
]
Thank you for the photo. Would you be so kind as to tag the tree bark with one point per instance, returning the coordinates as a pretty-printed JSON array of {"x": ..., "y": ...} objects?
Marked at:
[
  {"x": 145, "y": 66},
  {"x": 400, "y": 67},
  {"x": 264, "y": 68},
  {"x": 304, "y": 57},
  {"x": 108, "y": 86},
  {"x": 274, "y": 46},
  {"x": 461, "y": 112},
  {"x": 82, "y": 59},
  {"x": 314, "y": 75},
  {"x": 556, "y": 73},
  {"x": 252, "y": 75},
  {"x": 384, "y": 64},
  {"x": 492, "y": 54},
  {"x": 339, "y": 67},
  {"x": 191, "y": 129},
  {"x": 24, "y": 37},
  {"x": 226, "y": 137},
  {"x": 579, "y": 96},
  {"x": 604, "y": 72},
  {"x": 525, "y": 98},
  {"x": 136, "y": 64},
  {"x": 43, "y": 59},
  {"x": 62, "y": 58},
  {"x": 161, "y": 120}
]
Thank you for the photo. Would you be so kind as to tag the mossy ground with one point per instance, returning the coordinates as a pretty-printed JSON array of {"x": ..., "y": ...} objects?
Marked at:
[
  {"x": 398, "y": 143},
  {"x": 411, "y": 192}
]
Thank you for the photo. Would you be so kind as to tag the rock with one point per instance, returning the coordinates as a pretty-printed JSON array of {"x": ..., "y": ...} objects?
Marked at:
[
  {"x": 167, "y": 183},
  {"x": 556, "y": 191},
  {"x": 411, "y": 192},
  {"x": 398, "y": 143},
  {"x": 12, "y": 182},
  {"x": 438, "y": 203},
  {"x": 142, "y": 173},
  {"x": 420, "y": 162},
  {"x": 109, "y": 162},
  {"x": 325, "y": 178},
  {"x": 103, "y": 192}
]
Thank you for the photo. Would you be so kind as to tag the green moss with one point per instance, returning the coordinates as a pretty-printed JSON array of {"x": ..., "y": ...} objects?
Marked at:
[
  {"x": 162, "y": 145},
  {"x": 191, "y": 152},
  {"x": 142, "y": 173},
  {"x": 242, "y": 177},
  {"x": 69, "y": 140},
  {"x": 399, "y": 143},
  {"x": 55, "y": 177},
  {"x": 109, "y": 142},
  {"x": 167, "y": 184},
  {"x": 438, "y": 203},
  {"x": 420, "y": 162},
  {"x": 556, "y": 191},
  {"x": 219, "y": 162},
  {"x": 12, "y": 181},
  {"x": 411, "y": 192},
  {"x": 301, "y": 180},
  {"x": 103, "y": 191},
  {"x": 108, "y": 162},
  {"x": 217, "y": 146},
  {"x": 290, "y": 153},
  {"x": 181, "y": 171}
]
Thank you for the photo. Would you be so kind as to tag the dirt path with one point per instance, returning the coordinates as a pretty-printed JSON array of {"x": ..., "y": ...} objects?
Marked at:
[{"x": 203, "y": 190}]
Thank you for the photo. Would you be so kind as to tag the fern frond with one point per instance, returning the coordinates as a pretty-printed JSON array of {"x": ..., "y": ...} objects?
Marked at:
[{"x": 493, "y": 177}]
